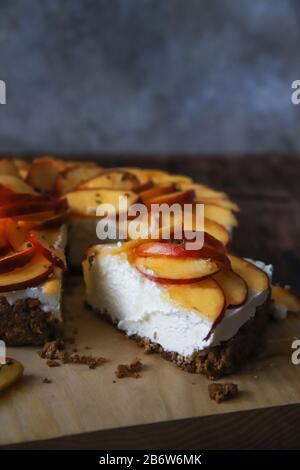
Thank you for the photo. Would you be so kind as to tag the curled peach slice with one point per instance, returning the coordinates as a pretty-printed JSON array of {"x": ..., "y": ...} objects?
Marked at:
[
  {"x": 156, "y": 191},
  {"x": 206, "y": 297},
  {"x": 175, "y": 270},
  {"x": 226, "y": 203},
  {"x": 42, "y": 173},
  {"x": 256, "y": 279},
  {"x": 31, "y": 274},
  {"x": 86, "y": 201},
  {"x": 284, "y": 297},
  {"x": 221, "y": 215},
  {"x": 70, "y": 178},
  {"x": 234, "y": 287},
  {"x": 217, "y": 231},
  {"x": 203, "y": 191},
  {"x": 112, "y": 179},
  {"x": 43, "y": 243},
  {"x": 179, "y": 197},
  {"x": 17, "y": 259},
  {"x": 15, "y": 184}
]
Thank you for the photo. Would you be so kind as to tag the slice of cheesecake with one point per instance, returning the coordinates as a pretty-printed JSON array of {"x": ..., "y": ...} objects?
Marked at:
[
  {"x": 32, "y": 243},
  {"x": 204, "y": 314}
]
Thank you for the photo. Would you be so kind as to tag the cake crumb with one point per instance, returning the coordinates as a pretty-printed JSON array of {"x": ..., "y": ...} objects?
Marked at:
[
  {"x": 52, "y": 363},
  {"x": 47, "y": 381},
  {"x": 222, "y": 391},
  {"x": 56, "y": 355},
  {"x": 131, "y": 370}
]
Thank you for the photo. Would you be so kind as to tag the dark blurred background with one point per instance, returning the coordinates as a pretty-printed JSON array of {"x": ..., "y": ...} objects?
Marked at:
[{"x": 148, "y": 76}]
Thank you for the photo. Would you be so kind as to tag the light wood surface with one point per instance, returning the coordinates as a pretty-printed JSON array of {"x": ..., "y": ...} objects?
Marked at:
[{"x": 80, "y": 400}]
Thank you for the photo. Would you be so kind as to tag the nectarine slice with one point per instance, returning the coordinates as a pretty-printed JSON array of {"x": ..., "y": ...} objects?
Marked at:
[
  {"x": 43, "y": 220},
  {"x": 8, "y": 167},
  {"x": 234, "y": 287},
  {"x": 37, "y": 270},
  {"x": 256, "y": 279},
  {"x": 156, "y": 191},
  {"x": 86, "y": 201},
  {"x": 43, "y": 172},
  {"x": 175, "y": 270},
  {"x": 203, "y": 191},
  {"x": 112, "y": 179},
  {"x": 284, "y": 297},
  {"x": 226, "y": 203},
  {"x": 15, "y": 184},
  {"x": 17, "y": 259},
  {"x": 69, "y": 179},
  {"x": 43, "y": 243},
  {"x": 179, "y": 197},
  {"x": 205, "y": 297},
  {"x": 221, "y": 215},
  {"x": 16, "y": 234},
  {"x": 217, "y": 231}
]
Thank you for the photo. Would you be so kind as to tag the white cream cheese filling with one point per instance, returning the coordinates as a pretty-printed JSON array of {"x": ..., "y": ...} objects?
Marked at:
[
  {"x": 49, "y": 292},
  {"x": 138, "y": 307}
]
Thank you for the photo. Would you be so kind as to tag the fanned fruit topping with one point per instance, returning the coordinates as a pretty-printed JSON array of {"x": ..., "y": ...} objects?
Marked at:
[
  {"x": 171, "y": 262},
  {"x": 29, "y": 233},
  {"x": 284, "y": 297}
]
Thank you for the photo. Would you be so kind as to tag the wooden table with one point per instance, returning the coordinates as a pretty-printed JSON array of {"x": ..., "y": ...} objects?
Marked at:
[{"x": 168, "y": 408}]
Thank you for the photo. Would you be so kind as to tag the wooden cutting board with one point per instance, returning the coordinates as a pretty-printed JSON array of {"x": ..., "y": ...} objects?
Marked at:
[
  {"x": 80, "y": 400},
  {"x": 166, "y": 407}
]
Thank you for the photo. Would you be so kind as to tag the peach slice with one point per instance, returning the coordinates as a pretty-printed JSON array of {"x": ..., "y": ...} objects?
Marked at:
[
  {"x": 43, "y": 220},
  {"x": 175, "y": 270},
  {"x": 220, "y": 215},
  {"x": 15, "y": 185},
  {"x": 69, "y": 179},
  {"x": 218, "y": 231},
  {"x": 226, "y": 203},
  {"x": 43, "y": 243},
  {"x": 156, "y": 191},
  {"x": 17, "y": 259},
  {"x": 256, "y": 279},
  {"x": 179, "y": 197},
  {"x": 4, "y": 244},
  {"x": 206, "y": 297},
  {"x": 37, "y": 270},
  {"x": 8, "y": 167},
  {"x": 32, "y": 203},
  {"x": 284, "y": 297},
  {"x": 16, "y": 234},
  {"x": 211, "y": 248},
  {"x": 161, "y": 177},
  {"x": 86, "y": 201},
  {"x": 211, "y": 227},
  {"x": 42, "y": 173},
  {"x": 234, "y": 287},
  {"x": 112, "y": 179},
  {"x": 141, "y": 175},
  {"x": 203, "y": 191},
  {"x": 23, "y": 167}
]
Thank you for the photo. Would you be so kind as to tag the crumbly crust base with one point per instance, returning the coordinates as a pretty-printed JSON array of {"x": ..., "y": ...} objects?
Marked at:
[
  {"x": 220, "y": 360},
  {"x": 25, "y": 323}
]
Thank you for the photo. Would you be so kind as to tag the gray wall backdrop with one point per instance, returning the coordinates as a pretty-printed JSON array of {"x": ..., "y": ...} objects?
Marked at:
[{"x": 149, "y": 75}]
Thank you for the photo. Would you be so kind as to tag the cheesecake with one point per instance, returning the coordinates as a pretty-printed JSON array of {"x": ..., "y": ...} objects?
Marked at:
[
  {"x": 32, "y": 243},
  {"x": 206, "y": 319},
  {"x": 205, "y": 310}
]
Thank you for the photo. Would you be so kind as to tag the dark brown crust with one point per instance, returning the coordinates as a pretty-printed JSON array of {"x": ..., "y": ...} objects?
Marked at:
[
  {"x": 223, "y": 359},
  {"x": 25, "y": 323}
]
